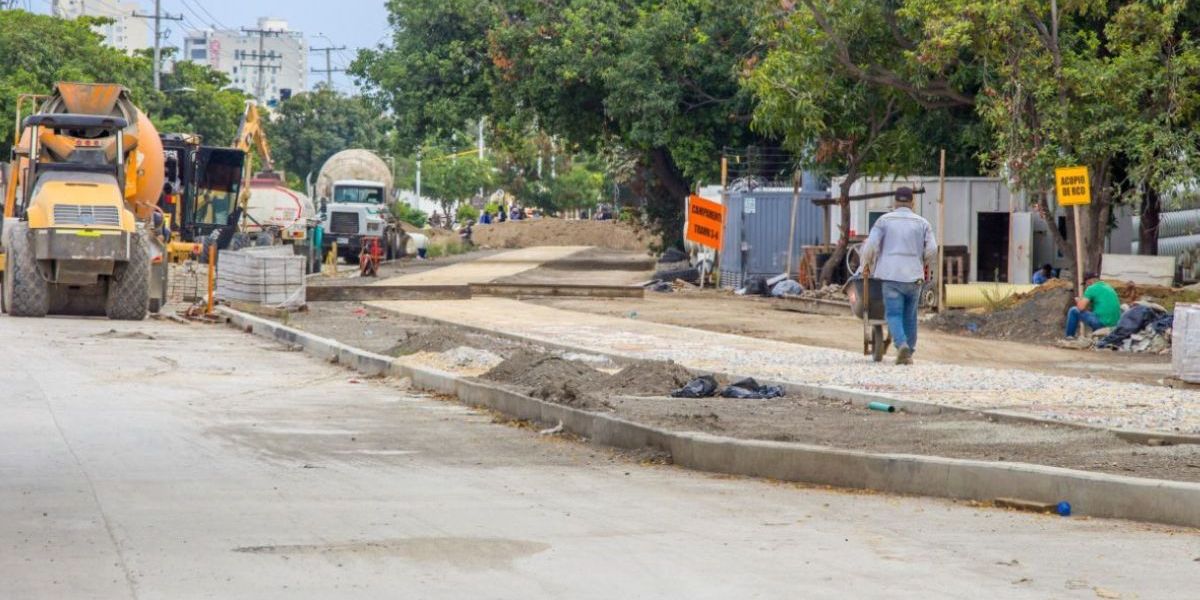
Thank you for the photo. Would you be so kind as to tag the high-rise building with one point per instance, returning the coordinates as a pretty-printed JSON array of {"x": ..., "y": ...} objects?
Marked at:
[
  {"x": 126, "y": 32},
  {"x": 269, "y": 61}
]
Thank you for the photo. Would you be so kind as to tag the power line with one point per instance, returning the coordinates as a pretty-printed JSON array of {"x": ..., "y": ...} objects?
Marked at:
[
  {"x": 329, "y": 70},
  {"x": 260, "y": 56},
  {"x": 158, "y": 17},
  {"x": 214, "y": 19}
]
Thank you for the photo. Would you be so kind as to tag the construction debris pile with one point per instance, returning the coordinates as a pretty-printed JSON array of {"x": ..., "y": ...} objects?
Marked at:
[
  {"x": 576, "y": 383},
  {"x": 1145, "y": 327},
  {"x": 1039, "y": 316}
]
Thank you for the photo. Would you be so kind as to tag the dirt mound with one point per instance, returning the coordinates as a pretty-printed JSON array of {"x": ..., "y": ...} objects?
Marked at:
[
  {"x": 577, "y": 384},
  {"x": 535, "y": 369},
  {"x": 558, "y": 232},
  {"x": 648, "y": 378},
  {"x": 1039, "y": 316},
  {"x": 435, "y": 340}
]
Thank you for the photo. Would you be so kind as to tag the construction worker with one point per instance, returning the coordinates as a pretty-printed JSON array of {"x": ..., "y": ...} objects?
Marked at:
[
  {"x": 1098, "y": 307},
  {"x": 900, "y": 245}
]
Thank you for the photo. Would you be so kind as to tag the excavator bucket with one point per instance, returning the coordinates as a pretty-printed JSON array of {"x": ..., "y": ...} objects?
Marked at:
[{"x": 90, "y": 98}]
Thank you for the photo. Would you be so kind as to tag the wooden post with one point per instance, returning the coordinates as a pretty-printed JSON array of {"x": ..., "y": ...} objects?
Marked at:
[
  {"x": 724, "y": 173},
  {"x": 792, "y": 226},
  {"x": 941, "y": 234},
  {"x": 212, "y": 277},
  {"x": 1078, "y": 252}
]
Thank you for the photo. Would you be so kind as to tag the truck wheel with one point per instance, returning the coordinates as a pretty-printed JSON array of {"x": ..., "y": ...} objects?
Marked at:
[
  {"x": 28, "y": 293},
  {"x": 128, "y": 296}
]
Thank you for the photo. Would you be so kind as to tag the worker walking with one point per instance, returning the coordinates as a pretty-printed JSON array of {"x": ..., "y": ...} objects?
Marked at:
[{"x": 900, "y": 245}]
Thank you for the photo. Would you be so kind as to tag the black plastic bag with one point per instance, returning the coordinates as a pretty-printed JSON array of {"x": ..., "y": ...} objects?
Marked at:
[
  {"x": 701, "y": 387},
  {"x": 749, "y": 389},
  {"x": 1134, "y": 320}
]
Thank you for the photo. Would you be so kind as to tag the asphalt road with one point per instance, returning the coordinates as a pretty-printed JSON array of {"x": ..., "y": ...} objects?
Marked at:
[{"x": 159, "y": 460}]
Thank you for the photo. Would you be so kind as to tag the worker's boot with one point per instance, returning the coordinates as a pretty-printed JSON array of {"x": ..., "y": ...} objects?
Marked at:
[{"x": 904, "y": 355}]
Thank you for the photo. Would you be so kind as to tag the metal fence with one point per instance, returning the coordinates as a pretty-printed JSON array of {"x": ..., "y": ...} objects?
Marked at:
[{"x": 757, "y": 223}]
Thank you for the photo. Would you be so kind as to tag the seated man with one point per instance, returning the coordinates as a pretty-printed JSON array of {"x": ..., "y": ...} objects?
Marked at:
[
  {"x": 1046, "y": 273},
  {"x": 1099, "y": 306}
]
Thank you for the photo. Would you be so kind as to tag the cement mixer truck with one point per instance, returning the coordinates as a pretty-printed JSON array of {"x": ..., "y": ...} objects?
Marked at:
[
  {"x": 354, "y": 191},
  {"x": 81, "y": 232}
]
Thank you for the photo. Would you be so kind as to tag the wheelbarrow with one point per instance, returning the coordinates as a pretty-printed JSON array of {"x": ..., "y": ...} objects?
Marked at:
[{"x": 866, "y": 301}]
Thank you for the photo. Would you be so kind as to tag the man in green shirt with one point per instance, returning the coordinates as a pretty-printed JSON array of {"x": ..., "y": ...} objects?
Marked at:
[{"x": 1098, "y": 308}]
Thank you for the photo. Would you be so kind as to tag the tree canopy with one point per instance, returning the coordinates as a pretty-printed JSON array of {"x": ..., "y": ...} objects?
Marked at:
[{"x": 308, "y": 128}]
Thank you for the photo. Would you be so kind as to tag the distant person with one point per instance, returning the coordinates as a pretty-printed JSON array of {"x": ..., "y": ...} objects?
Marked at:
[
  {"x": 900, "y": 245},
  {"x": 501, "y": 215},
  {"x": 1099, "y": 307},
  {"x": 485, "y": 218},
  {"x": 516, "y": 213},
  {"x": 1044, "y": 274},
  {"x": 465, "y": 233}
]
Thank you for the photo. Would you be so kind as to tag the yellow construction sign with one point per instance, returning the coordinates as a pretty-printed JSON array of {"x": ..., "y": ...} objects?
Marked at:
[{"x": 1072, "y": 186}]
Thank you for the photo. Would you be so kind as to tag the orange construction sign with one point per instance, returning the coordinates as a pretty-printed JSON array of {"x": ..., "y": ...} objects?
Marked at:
[{"x": 705, "y": 222}]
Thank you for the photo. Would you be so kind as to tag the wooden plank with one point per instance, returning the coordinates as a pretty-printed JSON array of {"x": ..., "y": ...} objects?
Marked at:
[
  {"x": 363, "y": 293},
  {"x": 513, "y": 290},
  {"x": 814, "y": 306}
]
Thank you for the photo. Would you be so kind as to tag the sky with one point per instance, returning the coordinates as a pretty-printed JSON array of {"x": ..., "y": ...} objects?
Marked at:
[{"x": 351, "y": 23}]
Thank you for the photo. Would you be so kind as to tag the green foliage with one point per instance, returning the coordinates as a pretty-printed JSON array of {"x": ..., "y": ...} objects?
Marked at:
[
  {"x": 194, "y": 101},
  {"x": 657, "y": 77},
  {"x": 310, "y": 127},
  {"x": 465, "y": 213},
  {"x": 409, "y": 214},
  {"x": 435, "y": 74},
  {"x": 1109, "y": 84},
  {"x": 40, "y": 51},
  {"x": 578, "y": 188},
  {"x": 454, "y": 180},
  {"x": 447, "y": 248}
]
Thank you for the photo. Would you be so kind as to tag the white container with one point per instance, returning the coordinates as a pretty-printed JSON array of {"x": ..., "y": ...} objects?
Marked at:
[{"x": 1185, "y": 342}]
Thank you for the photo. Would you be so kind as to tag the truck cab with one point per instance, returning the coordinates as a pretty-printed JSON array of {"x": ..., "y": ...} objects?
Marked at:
[{"x": 355, "y": 212}]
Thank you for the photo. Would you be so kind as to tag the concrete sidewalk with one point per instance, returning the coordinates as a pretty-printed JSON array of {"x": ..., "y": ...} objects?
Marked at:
[
  {"x": 1099, "y": 402},
  {"x": 488, "y": 268}
]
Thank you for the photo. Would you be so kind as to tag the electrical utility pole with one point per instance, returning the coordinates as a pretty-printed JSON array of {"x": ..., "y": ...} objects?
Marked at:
[
  {"x": 328, "y": 70},
  {"x": 260, "y": 84},
  {"x": 158, "y": 18}
]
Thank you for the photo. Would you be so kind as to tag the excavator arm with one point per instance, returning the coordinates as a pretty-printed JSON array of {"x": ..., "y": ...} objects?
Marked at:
[{"x": 251, "y": 137}]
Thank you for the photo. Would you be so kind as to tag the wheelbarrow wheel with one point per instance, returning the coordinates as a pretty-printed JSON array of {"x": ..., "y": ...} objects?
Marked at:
[{"x": 878, "y": 345}]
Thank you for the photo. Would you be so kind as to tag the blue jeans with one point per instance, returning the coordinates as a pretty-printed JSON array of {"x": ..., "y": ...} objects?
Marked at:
[
  {"x": 900, "y": 299},
  {"x": 1089, "y": 318}
]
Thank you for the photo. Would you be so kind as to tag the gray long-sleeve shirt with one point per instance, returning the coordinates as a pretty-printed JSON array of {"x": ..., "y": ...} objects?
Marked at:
[{"x": 900, "y": 245}]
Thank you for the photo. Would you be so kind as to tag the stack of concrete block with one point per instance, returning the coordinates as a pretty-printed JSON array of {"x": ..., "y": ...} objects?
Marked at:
[{"x": 271, "y": 276}]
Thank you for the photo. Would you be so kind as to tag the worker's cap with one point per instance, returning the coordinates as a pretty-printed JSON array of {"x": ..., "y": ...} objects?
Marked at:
[{"x": 904, "y": 194}]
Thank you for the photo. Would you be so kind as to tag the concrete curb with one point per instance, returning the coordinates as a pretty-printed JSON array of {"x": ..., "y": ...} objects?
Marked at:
[
  {"x": 853, "y": 396},
  {"x": 1093, "y": 494}
]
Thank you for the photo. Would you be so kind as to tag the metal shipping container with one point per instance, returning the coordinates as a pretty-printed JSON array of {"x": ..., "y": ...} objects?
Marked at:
[{"x": 755, "y": 240}]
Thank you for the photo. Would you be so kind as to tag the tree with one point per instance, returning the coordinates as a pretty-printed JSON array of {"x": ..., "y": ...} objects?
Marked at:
[
  {"x": 658, "y": 77},
  {"x": 1107, "y": 84},
  {"x": 454, "y": 180},
  {"x": 836, "y": 120},
  {"x": 435, "y": 74},
  {"x": 310, "y": 127},
  {"x": 195, "y": 99},
  {"x": 578, "y": 188},
  {"x": 40, "y": 51}
]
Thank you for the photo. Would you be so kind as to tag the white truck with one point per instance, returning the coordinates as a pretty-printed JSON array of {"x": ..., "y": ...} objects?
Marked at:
[{"x": 354, "y": 192}]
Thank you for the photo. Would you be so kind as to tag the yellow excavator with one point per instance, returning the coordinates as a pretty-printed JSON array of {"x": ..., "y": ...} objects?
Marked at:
[
  {"x": 214, "y": 197},
  {"x": 80, "y": 233}
]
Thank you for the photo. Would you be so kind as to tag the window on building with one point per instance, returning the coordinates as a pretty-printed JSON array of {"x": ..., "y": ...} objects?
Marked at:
[{"x": 199, "y": 54}]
